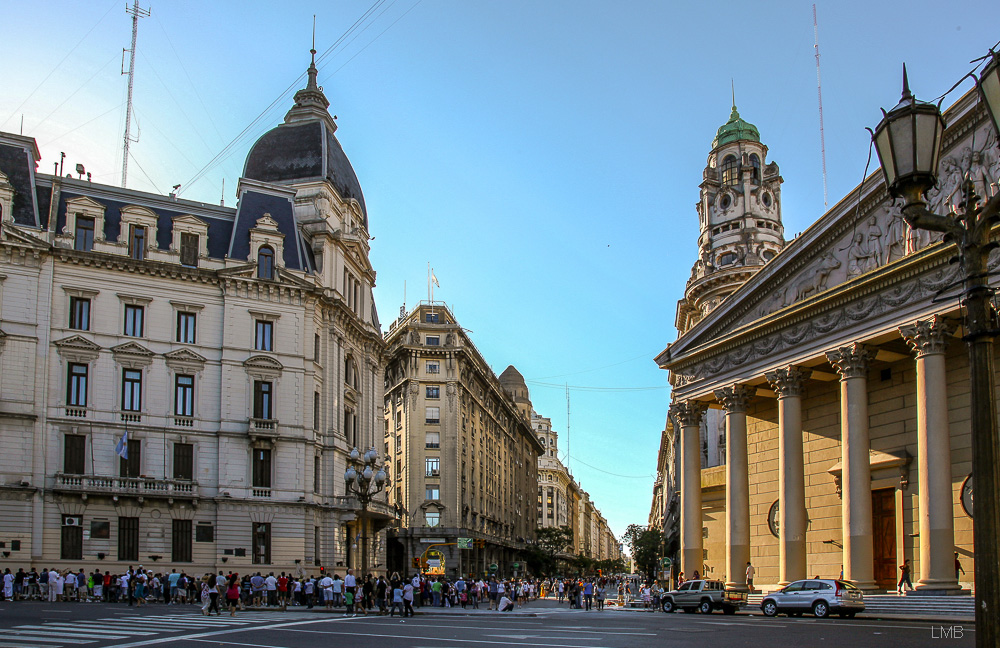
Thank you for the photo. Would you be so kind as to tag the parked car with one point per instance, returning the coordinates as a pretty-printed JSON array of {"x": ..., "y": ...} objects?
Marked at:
[
  {"x": 819, "y": 596},
  {"x": 703, "y": 596}
]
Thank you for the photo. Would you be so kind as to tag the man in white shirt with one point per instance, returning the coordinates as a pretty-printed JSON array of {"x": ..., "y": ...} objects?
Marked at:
[
  {"x": 271, "y": 585},
  {"x": 338, "y": 591},
  {"x": 69, "y": 588},
  {"x": 53, "y": 577},
  {"x": 408, "y": 600},
  {"x": 326, "y": 585}
]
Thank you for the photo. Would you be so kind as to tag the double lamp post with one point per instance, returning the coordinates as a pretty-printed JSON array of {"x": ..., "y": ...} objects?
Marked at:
[
  {"x": 908, "y": 142},
  {"x": 364, "y": 479}
]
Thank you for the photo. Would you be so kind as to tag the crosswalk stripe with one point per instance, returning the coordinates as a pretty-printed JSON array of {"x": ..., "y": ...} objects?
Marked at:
[
  {"x": 64, "y": 634},
  {"x": 40, "y": 635},
  {"x": 78, "y": 628},
  {"x": 10, "y": 644}
]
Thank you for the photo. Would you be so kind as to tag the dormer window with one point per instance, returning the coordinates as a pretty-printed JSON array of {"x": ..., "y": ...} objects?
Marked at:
[
  {"x": 137, "y": 242},
  {"x": 754, "y": 169},
  {"x": 189, "y": 249},
  {"x": 265, "y": 262},
  {"x": 730, "y": 171},
  {"x": 84, "y": 234}
]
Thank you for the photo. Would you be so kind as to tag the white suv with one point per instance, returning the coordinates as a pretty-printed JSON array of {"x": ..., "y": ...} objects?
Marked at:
[{"x": 819, "y": 596}]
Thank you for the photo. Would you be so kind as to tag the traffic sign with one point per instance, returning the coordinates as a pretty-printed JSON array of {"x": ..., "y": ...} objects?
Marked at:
[
  {"x": 494, "y": 567},
  {"x": 665, "y": 563},
  {"x": 516, "y": 565},
  {"x": 465, "y": 543}
]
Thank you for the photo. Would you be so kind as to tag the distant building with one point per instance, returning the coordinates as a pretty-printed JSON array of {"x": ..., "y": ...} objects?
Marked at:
[
  {"x": 238, "y": 349},
  {"x": 463, "y": 455}
]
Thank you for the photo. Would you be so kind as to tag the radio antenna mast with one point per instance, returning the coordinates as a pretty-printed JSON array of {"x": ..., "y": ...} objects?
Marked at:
[
  {"x": 819, "y": 91},
  {"x": 136, "y": 14}
]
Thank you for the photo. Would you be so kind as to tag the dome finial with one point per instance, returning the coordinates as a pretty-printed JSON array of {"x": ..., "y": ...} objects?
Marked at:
[
  {"x": 312, "y": 85},
  {"x": 732, "y": 83}
]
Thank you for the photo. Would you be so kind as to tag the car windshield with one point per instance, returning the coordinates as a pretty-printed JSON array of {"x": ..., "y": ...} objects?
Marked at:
[
  {"x": 685, "y": 586},
  {"x": 846, "y": 585}
]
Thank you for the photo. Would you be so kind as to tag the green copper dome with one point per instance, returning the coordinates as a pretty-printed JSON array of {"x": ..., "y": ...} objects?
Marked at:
[{"x": 735, "y": 129}]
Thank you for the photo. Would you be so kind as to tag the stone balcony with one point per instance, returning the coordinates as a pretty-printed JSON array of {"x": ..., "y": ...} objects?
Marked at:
[
  {"x": 259, "y": 428},
  {"x": 377, "y": 510},
  {"x": 131, "y": 486}
]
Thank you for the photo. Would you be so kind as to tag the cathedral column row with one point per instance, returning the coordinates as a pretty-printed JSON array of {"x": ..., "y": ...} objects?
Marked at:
[{"x": 928, "y": 340}]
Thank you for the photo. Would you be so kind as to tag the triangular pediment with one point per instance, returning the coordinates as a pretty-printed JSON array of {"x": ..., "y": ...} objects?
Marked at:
[
  {"x": 15, "y": 233},
  {"x": 247, "y": 270},
  {"x": 189, "y": 219},
  {"x": 184, "y": 355},
  {"x": 84, "y": 202},
  {"x": 131, "y": 348},
  {"x": 77, "y": 342}
]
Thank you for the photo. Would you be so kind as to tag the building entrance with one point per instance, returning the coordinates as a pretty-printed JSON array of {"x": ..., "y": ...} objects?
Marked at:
[{"x": 884, "y": 532}]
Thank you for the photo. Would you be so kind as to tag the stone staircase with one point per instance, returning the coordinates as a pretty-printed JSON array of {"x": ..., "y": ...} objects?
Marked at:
[{"x": 930, "y": 607}]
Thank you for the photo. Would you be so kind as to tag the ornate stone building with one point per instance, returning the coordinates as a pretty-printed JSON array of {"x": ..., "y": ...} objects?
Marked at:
[
  {"x": 842, "y": 378},
  {"x": 664, "y": 510},
  {"x": 238, "y": 349},
  {"x": 461, "y": 449}
]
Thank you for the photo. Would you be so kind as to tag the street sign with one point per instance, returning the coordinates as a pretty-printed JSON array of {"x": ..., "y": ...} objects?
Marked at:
[
  {"x": 465, "y": 543},
  {"x": 665, "y": 563},
  {"x": 516, "y": 565},
  {"x": 494, "y": 567}
]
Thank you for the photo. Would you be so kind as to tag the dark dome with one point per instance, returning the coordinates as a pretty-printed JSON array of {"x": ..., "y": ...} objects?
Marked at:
[
  {"x": 304, "y": 151},
  {"x": 305, "y": 148}
]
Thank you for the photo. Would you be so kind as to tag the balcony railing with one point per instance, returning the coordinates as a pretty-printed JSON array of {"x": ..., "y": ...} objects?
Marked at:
[
  {"x": 259, "y": 427},
  {"x": 146, "y": 486},
  {"x": 261, "y": 492},
  {"x": 76, "y": 412},
  {"x": 128, "y": 417},
  {"x": 183, "y": 421},
  {"x": 376, "y": 508}
]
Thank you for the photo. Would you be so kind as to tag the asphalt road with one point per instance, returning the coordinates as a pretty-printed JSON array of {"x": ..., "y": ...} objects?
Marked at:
[{"x": 40, "y": 625}]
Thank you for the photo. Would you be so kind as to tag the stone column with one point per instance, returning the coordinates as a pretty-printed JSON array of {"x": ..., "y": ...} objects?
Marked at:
[
  {"x": 928, "y": 339},
  {"x": 688, "y": 414},
  {"x": 851, "y": 362},
  {"x": 734, "y": 400},
  {"x": 787, "y": 384}
]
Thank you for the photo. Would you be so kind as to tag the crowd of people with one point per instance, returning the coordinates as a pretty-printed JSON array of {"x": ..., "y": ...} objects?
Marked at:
[{"x": 355, "y": 595}]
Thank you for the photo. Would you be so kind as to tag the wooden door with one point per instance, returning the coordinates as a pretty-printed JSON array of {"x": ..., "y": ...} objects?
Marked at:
[{"x": 884, "y": 531}]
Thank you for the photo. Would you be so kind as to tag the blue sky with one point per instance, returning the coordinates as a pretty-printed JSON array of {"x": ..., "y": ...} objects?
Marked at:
[{"x": 544, "y": 157}]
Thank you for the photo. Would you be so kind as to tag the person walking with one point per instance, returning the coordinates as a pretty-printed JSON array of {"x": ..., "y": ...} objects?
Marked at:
[
  {"x": 958, "y": 567},
  {"x": 408, "y": 599},
  {"x": 599, "y": 593},
  {"x": 588, "y": 595},
  {"x": 904, "y": 577},
  {"x": 397, "y": 601},
  {"x": 750, "y": 572},
  {"x": 233, "y": 594}
]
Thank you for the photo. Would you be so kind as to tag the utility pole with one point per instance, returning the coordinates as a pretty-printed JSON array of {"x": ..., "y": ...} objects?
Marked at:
[{"x": 136, "y": 14}]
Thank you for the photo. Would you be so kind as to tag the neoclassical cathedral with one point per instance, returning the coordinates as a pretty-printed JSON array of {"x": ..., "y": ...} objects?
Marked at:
[
  {"x": 181, "y": 383},
  {"x": 820, "y": 385}
]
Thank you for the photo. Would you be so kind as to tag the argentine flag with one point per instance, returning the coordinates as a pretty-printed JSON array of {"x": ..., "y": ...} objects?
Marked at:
[{"x": 122, "y": 448}]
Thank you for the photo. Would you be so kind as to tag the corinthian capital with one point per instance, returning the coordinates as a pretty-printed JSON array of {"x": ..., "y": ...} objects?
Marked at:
[
  {"x": 734, "y": 398},
  {"x": 929, "y": 336},
  {"x": 688, "y": 413},
  {"x": 787, "y": 381},
  {"x": 851, "y": 361}
]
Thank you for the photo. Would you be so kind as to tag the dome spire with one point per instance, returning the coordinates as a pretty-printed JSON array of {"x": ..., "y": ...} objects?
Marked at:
[{"x": 310, "y": 102}]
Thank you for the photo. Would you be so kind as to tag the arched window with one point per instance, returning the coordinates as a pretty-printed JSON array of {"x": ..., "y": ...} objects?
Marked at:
[
  {"x": 754, "y": 169},
  {"x": 265, "y": 262},
  {"x": 730, "y": 171}
]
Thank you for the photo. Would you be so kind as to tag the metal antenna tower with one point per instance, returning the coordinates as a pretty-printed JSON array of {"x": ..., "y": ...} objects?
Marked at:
[
  {"x": 136, "y": 14},
  {"x": 819, "y": 90}
]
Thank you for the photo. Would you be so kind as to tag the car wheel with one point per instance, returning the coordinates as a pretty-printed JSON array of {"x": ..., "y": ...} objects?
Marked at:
[
  {"x": 769, "y": 608},
  {"x": 821, "y": 610},
  {"x": 668, "y": 606},
  {"x": 705, "y": 607},
  {"x": 729, "y": 610}
]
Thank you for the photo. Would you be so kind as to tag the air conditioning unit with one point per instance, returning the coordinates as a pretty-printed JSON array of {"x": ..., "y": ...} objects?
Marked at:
[{"x": 72, "y": 520}]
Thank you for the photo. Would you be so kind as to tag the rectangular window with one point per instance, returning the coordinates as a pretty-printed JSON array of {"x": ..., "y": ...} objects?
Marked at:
[
  {"x": 434, "y": 392},
  {"x": 432, "y": 318},
  {"x": 262, "y": 400},
  {"x": 433, "y": 518},
  {"x": 184, "y": 461},
  {"x": 134, "y": 316},
  {"x": 315, "y": 410},
  {"x": 433, "y": 440},
  {"x": 71, "y": 547},
  {"x": 433, "y": 340},
  {"x": 79, "y": 313},
  {"x": 131, "y": 390},
  {"x": 84, "y": 234},
  {"x": 74, "y": 454},
  {"x": 184, "y": 395},
  {"x": 204, "y": 532},
  {"x": 186, "y": 327},
  {"x": 128, "y": 538},
  {"x": 433, "y": 493},
  {"x": 261, "y": 468},
  {"x": 180, "y": 541},
  {"x": 261, "y": 543},
  {"x": 263, "y": 339},
  {"x": 432, "y": 466},
  {"x": 132, "y": 466},
  {"x": 137, "y": 242},
  {"x": 189, "y": 249},
  {"x": 316, "y": 465},
  {"x": 76, "y": 391},
  {"x": 433, "y": 367},
  {"x": 316, "y": 348},
  {"x": 433, "y": 415}
]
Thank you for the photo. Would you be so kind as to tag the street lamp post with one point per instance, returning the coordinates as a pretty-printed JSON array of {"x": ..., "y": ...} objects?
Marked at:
[
  {"x": 364, "y": 479},
  {"x": 908, "y": 141}
]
